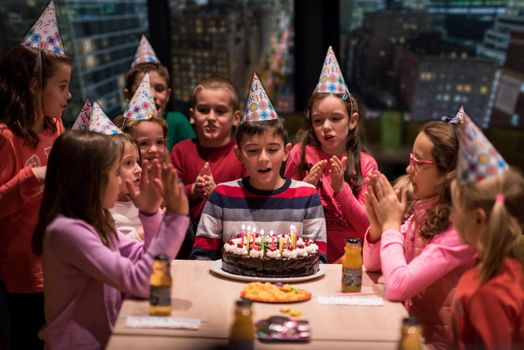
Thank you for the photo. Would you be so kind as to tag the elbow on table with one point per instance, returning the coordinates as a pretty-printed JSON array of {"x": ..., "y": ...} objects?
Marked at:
[{"x": 397, "y": 292}]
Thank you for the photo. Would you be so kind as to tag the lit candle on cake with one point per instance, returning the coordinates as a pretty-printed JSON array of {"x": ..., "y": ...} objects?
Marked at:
[
  {"x": 248, "y": 237},
  {"x": 262, "y": 242},
  {"x": 280, "y": 243},
  {"x": 272, "y": 234},
  {"x": 243, "y": 233},
  {"x": 292, "y": 231}
]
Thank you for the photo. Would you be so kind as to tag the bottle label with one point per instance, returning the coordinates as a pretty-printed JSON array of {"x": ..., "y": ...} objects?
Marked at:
[
  {"x": 351, "y": 277},
  {"x": 160, "y": 296},
  {"x": 241, "y": 344}
]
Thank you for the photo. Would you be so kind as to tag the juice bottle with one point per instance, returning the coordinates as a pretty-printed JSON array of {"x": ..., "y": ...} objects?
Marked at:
[
  {"x": 411, "y": 335},
  {"x": 242, "y": 335},
  {"x": 352, "y": 266},
  {"x": 160, "y": 287}
]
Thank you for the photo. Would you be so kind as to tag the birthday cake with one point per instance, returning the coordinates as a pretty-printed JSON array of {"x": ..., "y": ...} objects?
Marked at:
[{"x": 259, "y": 255}]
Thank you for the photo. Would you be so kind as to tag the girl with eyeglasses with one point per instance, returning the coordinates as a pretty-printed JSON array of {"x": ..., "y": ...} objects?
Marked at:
[{"x": 416, "y": 246}]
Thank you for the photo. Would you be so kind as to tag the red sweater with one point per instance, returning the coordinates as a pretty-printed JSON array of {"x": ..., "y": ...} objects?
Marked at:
[
  {"x": 346, "y": 214},
  {"x": 188, "y": 158},
  {"x": 20, "y": 196},
  {"x": 490, "y": 315}
]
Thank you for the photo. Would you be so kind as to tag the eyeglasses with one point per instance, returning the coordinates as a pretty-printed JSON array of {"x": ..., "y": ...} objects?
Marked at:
[{"x": 417, "y": 163}]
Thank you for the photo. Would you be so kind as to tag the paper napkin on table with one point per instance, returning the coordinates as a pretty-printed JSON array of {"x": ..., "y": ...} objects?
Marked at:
[
  {"x": 345, "y": 299},
  {"x": 162, "y": 322}
]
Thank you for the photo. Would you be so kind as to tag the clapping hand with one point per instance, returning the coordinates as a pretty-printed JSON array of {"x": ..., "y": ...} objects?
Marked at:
[
  {"x": 338, "y": 166},
  {"x": 315, "y": 173},
  {"x": 173, "y": 191},
  {"x": 386, "y": 206},
  {"x": 147, "y": 198},
  {"x": 204, "y": 183}
]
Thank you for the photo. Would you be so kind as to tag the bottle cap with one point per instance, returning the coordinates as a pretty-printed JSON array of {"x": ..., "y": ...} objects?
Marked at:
[
  {"x": 354, "y": 240},
  {"x": 162, "y": 257},
  {"x": 411, "y": 321},
  {"x": 244, "y": 303}
]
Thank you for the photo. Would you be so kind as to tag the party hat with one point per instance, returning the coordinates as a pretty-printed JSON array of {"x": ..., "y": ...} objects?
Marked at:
[
  {"x": 100, "y": 122},
  {"x": 142, "y": 105},
  {"x": 331, "y": 79},
  {"x": 93, "y": 118},
  {"x": 82, "y": 121},
  {"x": 477, "y": 158},
  {"x": 44, "y": 33},
  {"x": 258, "y": 106},
  {"x": 144, "y": 53}
]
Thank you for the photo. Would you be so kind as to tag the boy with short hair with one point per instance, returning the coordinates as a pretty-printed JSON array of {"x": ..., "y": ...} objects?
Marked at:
[
  {"x": 264, "y": 198},
  {"x": 209, "y": 159}
]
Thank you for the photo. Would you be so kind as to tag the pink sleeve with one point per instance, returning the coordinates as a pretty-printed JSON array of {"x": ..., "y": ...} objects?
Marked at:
[
  {"x": 354, "y": 208},
  {"x": 293, "y": 163},
  {"x": 403, "y": 280},
  {"x": 15, "y": 189},
  {"x": 371, "y": 254},
  {"x": 129, "y": 267}
]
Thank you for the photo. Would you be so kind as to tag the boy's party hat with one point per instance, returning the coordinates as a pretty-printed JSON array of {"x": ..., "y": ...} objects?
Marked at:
[
  {"x": 144, "y": 53},
  {"x": 477, "y": 158},
  {"x": 331, "y": 79},
  {"x": 44, "y": 33},
  {"x": 258, "y": 106},
  {"x": 142, "y": 105},
  {"x": 93, "y": 118}
]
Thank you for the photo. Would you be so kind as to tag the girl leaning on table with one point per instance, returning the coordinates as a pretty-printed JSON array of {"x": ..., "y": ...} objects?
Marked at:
[
  {"x": 88, "y": 264},
  {"x": 488, "y": 212},
  {"x": 417, "y": 248}
]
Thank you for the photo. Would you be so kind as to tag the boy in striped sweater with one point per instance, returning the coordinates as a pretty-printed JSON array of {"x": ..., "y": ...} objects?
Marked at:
[{"x": 263, "y": 199}]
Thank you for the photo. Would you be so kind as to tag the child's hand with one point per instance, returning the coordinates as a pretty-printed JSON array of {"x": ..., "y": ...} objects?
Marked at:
[
  {"x": 389, "y": 210},
  {"x": 173, "y": 191},
  {"x": 338, "y": 166},
  {"x": 315, "y": 173},
  {"x": 375, "y": 228},
  {"x": 209, "y": 185},
  {"x": 204, "y": 183},
  {"x": 147, "y": 198}
]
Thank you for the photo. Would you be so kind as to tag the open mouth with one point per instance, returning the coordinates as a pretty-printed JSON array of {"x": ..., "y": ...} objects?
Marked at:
[
  {"x": 158, "y": 107},
  {"x": 264, "y": 170},
  {"x": 329, "y": 137}
]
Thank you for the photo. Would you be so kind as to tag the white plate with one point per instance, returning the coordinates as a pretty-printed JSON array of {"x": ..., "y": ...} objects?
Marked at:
[{"x": 216, "y": 267}]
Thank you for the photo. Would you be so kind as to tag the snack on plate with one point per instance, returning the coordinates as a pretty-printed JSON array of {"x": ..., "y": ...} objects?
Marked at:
[
  {"x": 287, "y": 255},
  {"x": 272, "y": 293}
]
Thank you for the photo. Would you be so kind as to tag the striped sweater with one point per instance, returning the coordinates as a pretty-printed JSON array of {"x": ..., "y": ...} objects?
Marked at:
[{"x": 237, "y": 203}]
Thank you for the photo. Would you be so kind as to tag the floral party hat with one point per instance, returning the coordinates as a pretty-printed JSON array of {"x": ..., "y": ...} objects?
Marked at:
[
  {"x": 93, "y": 118},
  {"x": 82, "y": 121},
  {"x": 477, "y": 158},
  {"x": 331, "y": 79},
  {"x": 258, "y": 106},
  {"x": 142, "y": 105},
  {"x": 144, "y": 53},
  {"x": 44, "y": 33}
]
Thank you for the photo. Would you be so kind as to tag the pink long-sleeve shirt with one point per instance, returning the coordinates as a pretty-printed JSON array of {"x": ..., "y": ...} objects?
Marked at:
[
  {"x": 85, "y": 279},
  {"x": 345, "y": 213},
  {"x": 422, "y": 273}
]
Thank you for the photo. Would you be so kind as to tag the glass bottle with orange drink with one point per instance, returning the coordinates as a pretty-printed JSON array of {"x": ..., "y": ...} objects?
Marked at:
[
  {"x": 160, "y": 287},
  {"x": 242, "y": 335},
  {"x": 352, "y": 266},
  {"x": 411, "y": 335}
]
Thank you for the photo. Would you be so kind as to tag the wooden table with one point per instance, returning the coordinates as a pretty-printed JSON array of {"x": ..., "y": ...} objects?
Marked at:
[{"x": 198, "y": 293}]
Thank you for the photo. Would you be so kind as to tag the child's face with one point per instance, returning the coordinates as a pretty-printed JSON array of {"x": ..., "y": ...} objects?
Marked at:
[
  {"x": 331, "y": 124},
  {"x": 129, "y": 168},
  {"x": 463, "y": 220},
  {"x": 262, "y": 156},
  {"x": 159, "y": 88},
  {"x": 150, "y": 138},
  {"x": 56, "y": 95},
  {"x": 112, "y": 190},
  {"x": 214, "y": 117},
  {"x": 425, "y": 178}
]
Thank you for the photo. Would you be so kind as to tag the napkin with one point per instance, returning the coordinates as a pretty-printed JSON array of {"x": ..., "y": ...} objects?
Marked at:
[{"x": 162, "y": 322}]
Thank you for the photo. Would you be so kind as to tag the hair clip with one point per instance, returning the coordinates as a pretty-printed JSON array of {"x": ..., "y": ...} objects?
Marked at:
[{"x": 500, "y": 198}]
